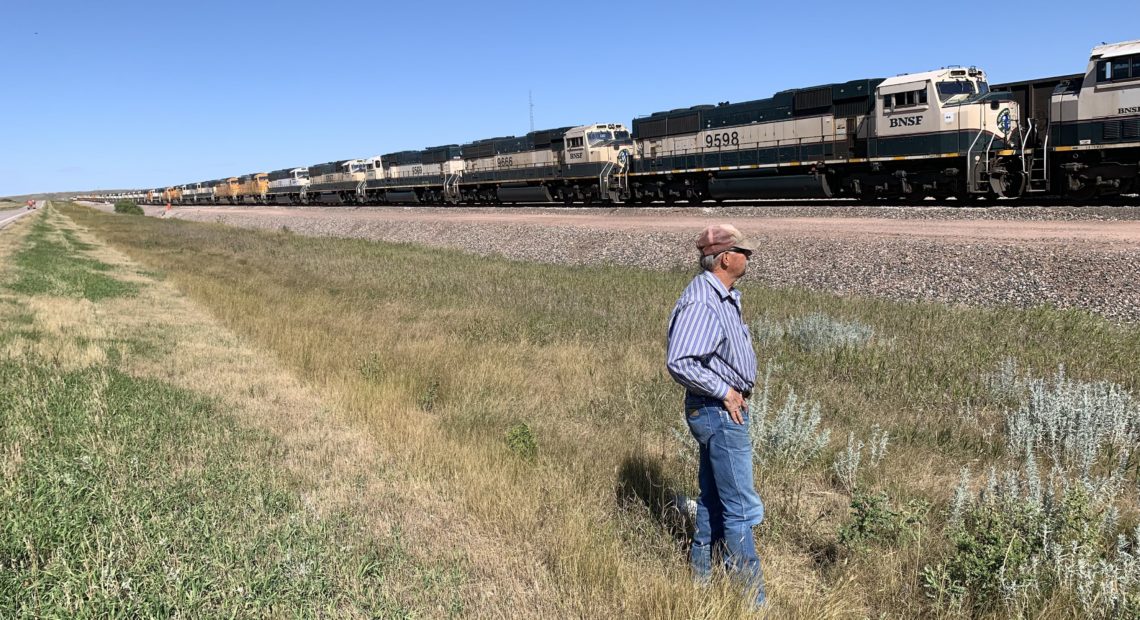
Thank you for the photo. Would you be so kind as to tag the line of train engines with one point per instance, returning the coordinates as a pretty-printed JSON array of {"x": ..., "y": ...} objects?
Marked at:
[{"x": 944, "y": 133}]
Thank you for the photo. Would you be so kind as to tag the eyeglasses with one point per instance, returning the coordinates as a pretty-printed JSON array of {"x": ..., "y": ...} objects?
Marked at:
[{"x": 747, "y": 253}]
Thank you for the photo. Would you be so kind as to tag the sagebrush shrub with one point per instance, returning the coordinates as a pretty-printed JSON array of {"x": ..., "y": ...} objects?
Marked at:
[
  {"x": 1019, "y": 539},
  {"x": 1023, "y": 538},
  {"x": 792, "y": 437},
  {"x": 766, "y": 331},
  {"x": 1007, "y": 383},
  {"x": 813, "y": 332},
  {"x": 1073, "y": 422},
  {"x": 846, "y": 464},
  {"x": 819, "y": 332}
]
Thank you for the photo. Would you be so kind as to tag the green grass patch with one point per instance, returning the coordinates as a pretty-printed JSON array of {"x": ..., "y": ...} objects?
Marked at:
[
  {"x": 51, "y": 263},
  {"x": 126, "y": 497}
]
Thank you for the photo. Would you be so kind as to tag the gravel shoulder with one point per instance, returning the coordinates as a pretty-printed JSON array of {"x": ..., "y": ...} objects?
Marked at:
[{"x": 1084, "y": 258}]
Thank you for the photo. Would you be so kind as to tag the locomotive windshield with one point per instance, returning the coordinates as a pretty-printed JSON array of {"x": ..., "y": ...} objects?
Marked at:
[
  {"x": 598, "y": 138},
  {"x": 621, "y": 136},
  {"x": 958, "y": 89}
]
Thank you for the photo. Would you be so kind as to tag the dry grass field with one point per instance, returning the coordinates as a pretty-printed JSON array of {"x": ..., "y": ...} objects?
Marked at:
[{"x": 528, "y": 433}]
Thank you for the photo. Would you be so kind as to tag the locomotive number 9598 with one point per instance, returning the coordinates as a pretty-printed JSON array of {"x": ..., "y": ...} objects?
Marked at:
[{"x": 722, "y": 139}]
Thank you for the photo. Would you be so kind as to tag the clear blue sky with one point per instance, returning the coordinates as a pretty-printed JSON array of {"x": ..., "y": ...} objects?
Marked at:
[{"x": 147, "y": 94}]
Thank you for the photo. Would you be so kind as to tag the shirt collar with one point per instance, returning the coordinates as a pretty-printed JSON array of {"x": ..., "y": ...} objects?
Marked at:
[{"x": 718, "y": 286}]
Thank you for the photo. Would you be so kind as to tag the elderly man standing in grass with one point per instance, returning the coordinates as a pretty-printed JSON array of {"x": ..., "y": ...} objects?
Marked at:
[{"x": 710, "y": 353}]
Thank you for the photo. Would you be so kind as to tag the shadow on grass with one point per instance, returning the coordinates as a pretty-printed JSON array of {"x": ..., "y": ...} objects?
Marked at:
[{"x": 643, "y": 485}]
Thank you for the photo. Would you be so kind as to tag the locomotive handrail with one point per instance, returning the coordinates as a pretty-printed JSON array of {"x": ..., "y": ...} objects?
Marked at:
[
  {"x": 970, "y": 161},
  {"x": 604, "y": 178},
  {"x": 989, "y": 149}
]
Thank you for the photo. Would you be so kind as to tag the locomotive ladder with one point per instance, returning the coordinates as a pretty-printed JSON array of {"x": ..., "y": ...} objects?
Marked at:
[{"x": 1037, "y": 172}]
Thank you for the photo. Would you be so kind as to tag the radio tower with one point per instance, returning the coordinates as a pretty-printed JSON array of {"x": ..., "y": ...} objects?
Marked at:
[{"x": 530, "y": 97}]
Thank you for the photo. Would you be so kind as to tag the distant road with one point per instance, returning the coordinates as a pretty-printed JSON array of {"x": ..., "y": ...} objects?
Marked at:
[{"x": 19, "y": 213}]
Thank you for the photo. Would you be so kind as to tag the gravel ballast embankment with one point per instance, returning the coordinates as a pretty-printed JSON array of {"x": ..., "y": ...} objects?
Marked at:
[{"x": 1098, "y": 277}]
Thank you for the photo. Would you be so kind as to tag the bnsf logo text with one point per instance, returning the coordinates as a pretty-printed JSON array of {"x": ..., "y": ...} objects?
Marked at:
[
  {"x": 906, "y": 121},
  {"x": 1135, "y": 110}
]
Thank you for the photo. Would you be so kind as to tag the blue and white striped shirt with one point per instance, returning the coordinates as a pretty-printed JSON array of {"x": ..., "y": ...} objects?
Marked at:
[{"x": 710, "y": 347}]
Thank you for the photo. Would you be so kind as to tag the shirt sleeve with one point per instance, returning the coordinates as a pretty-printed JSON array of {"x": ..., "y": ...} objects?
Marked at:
[{"x": 693, "y": 338}]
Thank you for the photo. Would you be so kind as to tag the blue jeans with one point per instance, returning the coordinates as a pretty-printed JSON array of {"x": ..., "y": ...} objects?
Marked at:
[{"x": 729, "y": 506}]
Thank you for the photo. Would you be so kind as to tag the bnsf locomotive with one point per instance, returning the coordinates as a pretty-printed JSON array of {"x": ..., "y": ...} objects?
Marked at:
[{"x": 945, "y": 133}]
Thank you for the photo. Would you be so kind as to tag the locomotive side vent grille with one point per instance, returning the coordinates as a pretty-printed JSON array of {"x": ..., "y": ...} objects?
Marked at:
[
  {"x": 853, "y": 108},
  {"x": 1130, "y": 128},
  {"x": 813, "y": 98},
  {"x": 1112, "y": 130},
  {"x": 684, "y": 124}
]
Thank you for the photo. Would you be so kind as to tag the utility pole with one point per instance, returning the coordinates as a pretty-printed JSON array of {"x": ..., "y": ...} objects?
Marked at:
[{"x": 530, "y": 97}]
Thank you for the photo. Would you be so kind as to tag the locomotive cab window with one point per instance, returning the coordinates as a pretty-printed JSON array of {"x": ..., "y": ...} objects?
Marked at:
[
  {"x": 574, "y": 143},
  {"x": 1118, "y": 69},
  {"x": 908, "y": 99}
]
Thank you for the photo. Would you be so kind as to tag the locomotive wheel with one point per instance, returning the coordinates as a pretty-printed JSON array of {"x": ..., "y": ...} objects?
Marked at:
[
  {"x": 1085, "y": 193},
  {"x": 1009, "y": 185}
]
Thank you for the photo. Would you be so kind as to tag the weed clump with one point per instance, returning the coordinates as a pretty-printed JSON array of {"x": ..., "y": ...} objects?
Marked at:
[
  {"x": 874, "y": 519},
  {"x": 371, "y": 368},
  {"x": 429, "y": 399},
  {"x": 521, "y": 441},
  {"x": 128, "y": 207}
]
